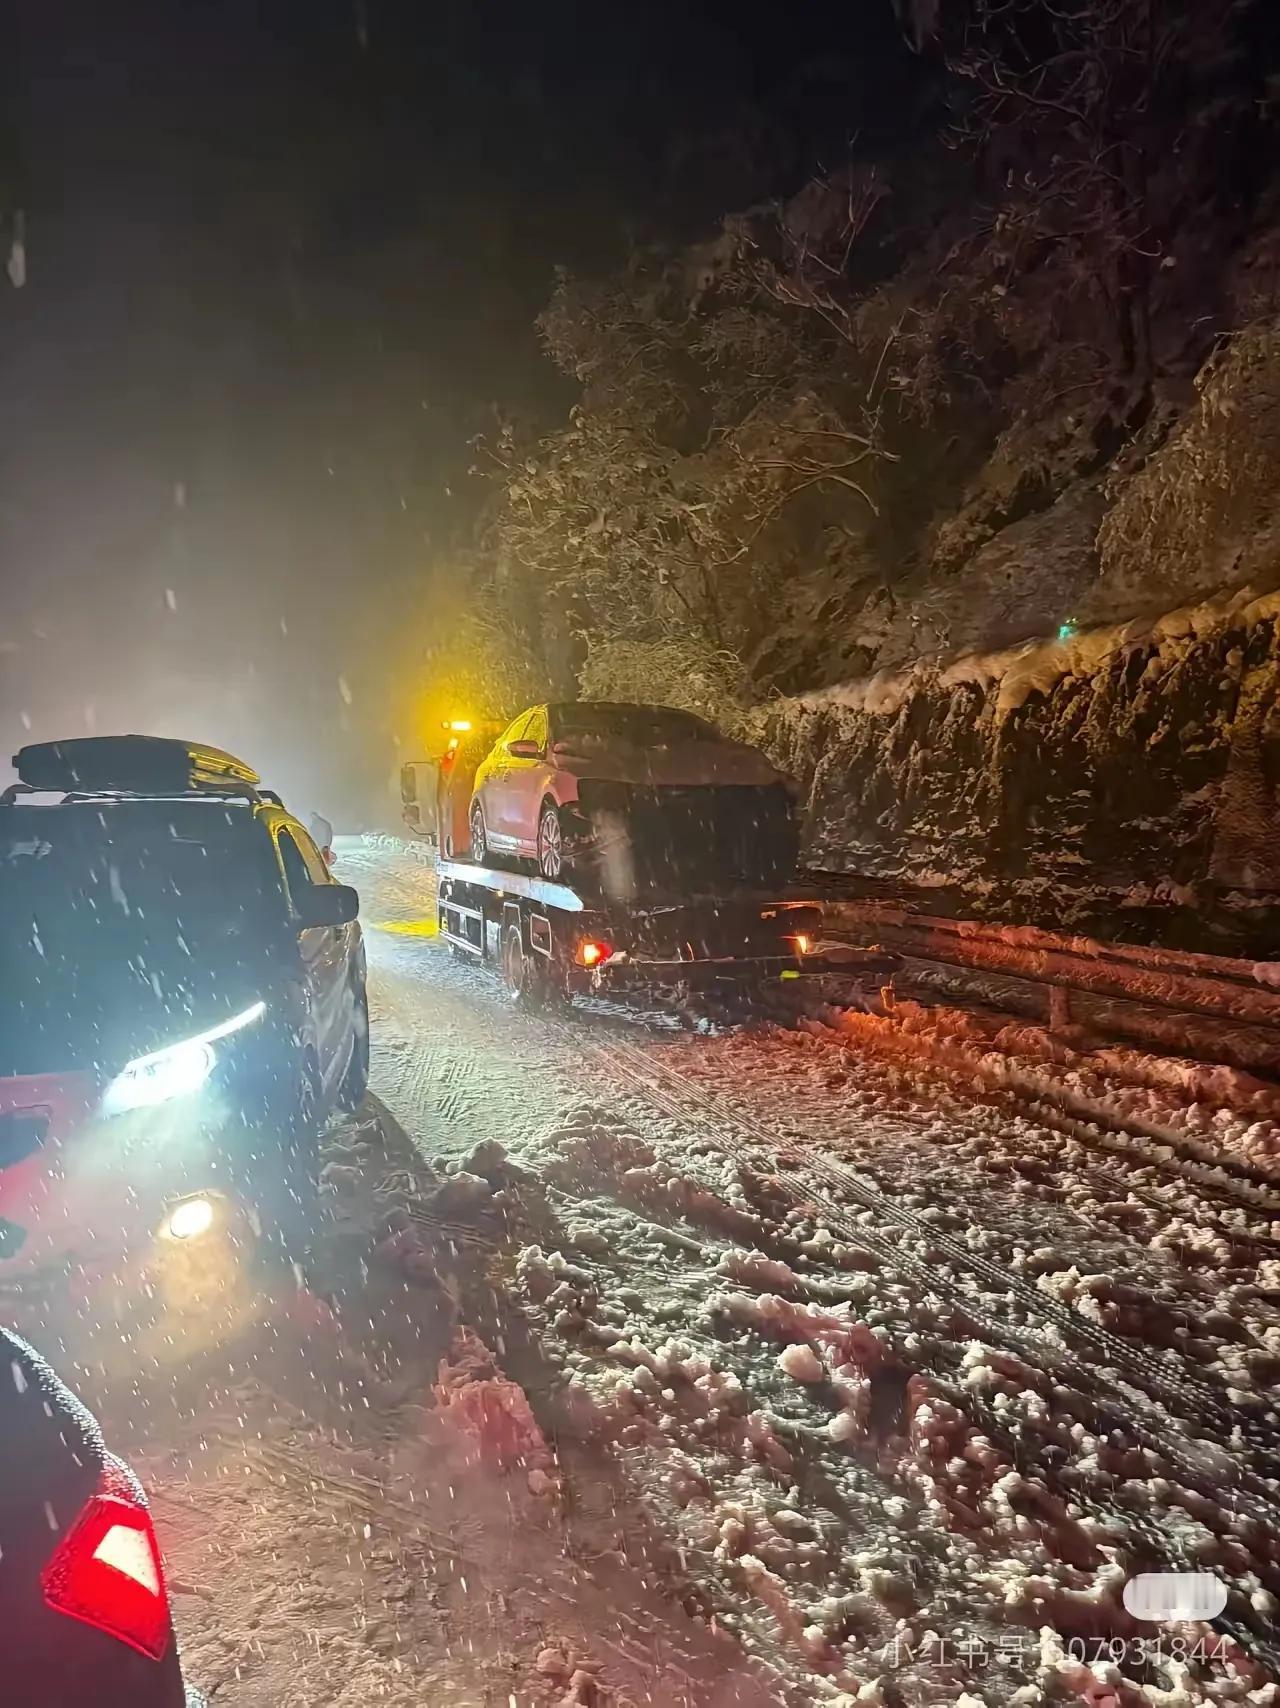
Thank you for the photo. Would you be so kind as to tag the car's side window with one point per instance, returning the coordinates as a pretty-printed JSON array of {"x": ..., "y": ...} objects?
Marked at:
[
  {"x": 536, "y": 729},
  {"x": 296, "y": 874},
  {"x": 515, "y": 730},
  {"x": 317, "y": 867}
]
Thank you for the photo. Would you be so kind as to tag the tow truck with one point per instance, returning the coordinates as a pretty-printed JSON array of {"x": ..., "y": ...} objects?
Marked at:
[{"x": 552, "y": 941}]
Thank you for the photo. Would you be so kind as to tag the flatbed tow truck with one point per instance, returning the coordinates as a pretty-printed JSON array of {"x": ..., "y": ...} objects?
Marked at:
[{"x": 554, "y": 941}]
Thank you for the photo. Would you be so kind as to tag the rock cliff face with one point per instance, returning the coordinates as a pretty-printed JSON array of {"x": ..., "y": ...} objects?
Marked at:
[
  {"x": 1139, "y": 762},
  {"x": 1038, "y": 733},
  {"x": 1188, "y": 507}
]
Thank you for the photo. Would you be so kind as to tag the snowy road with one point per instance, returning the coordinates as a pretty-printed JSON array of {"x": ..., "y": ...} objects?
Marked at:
[
  {"x": 874, "y": 1354},
  {"x": 916, "y": 1361}
]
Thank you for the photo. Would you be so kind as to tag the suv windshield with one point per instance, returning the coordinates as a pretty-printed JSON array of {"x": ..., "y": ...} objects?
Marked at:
[
  {"x": 123, "y": 924},
  {"x": 646, "y": 726}
]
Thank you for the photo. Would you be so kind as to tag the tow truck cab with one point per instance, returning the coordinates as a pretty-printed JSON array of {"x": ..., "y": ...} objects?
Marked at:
[{"x": 435, "y": 792}]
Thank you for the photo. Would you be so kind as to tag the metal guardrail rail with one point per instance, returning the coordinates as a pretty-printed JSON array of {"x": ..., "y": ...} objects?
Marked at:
[{"x": 1208, "y": 1006}]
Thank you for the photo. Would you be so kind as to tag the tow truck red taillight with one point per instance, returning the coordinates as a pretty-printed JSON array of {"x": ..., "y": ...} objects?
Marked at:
[
  {"x": 107, "y": 1571},
  {"x": 593, "y": 951}
]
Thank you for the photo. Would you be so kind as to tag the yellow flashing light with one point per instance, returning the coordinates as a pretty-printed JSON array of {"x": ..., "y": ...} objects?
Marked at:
[{"x": 461, "y": 726}]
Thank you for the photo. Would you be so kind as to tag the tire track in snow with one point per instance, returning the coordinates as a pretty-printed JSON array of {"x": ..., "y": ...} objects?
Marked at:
[
  {"x": 1193, "y": 1400},
  {"x": 450, "y": 1057},
  {"x": 1243, "y": 1493}
]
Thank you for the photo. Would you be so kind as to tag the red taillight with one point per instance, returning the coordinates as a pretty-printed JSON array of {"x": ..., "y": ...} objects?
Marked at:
[
  {"x": 592, "y": 952},
  {"x": 107, "y": 1571}
]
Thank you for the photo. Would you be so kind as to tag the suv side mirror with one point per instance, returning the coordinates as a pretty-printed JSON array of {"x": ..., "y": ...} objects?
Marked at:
[
  {"x": 524, "y": 750},
  {"x": 326, "y": 904}
]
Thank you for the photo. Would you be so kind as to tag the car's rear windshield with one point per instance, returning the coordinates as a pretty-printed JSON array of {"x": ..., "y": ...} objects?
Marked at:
[{"x": 646, "y": 726}]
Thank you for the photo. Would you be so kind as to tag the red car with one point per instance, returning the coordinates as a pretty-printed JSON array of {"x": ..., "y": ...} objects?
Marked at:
[
  {"x": 83, "y": 1600},
  {"x": 636, "y": 797}
]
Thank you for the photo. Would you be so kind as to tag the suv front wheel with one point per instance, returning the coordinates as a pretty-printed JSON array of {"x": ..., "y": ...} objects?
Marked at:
[{"x": 281, "y": 1180}]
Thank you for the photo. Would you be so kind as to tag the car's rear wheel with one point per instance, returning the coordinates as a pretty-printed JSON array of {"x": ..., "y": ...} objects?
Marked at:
[
  {"x": 479, "y": 835},
  {"x": 552, "y": 856}
]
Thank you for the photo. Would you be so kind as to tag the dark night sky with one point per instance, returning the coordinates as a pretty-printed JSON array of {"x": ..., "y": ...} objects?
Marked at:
[{"x": 276, "y": 278}]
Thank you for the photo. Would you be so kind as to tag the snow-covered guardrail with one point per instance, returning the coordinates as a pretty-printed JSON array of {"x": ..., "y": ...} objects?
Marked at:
[
  {"x": 1208, "y": 984},
  {"x": 1228, "y": 1010}
]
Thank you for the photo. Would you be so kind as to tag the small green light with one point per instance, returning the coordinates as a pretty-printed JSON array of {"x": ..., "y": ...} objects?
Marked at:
[
  {"x": 789, "y": 973},
  {"x": 1066, "y": 630}
]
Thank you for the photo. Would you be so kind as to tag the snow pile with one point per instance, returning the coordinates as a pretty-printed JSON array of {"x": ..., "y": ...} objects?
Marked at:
[
  {"x": 574, "y": 1681},
  {"x": 494, "y": 1412},
  {"x": 589, "y": 1145},
  {"x": 802, "y": 1364},
  {"x": 1170, "y": 1102},
  {"x": 835, "y": 1328}
]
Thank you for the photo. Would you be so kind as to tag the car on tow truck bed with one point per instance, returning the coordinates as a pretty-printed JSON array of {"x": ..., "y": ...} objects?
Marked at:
[
  {"x": 183, "y": 1002},
  {"x": 630, "y": 796}
]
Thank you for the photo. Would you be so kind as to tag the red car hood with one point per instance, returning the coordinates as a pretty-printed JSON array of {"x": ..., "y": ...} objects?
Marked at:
[{"x": 689, "y": 764}]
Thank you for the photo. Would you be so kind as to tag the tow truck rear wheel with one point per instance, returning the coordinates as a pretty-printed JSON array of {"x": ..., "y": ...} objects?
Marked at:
[{"x": 530, "y": 979}]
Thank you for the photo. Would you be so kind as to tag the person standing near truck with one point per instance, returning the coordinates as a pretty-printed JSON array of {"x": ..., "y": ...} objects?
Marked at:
[{"x": 322, "y": 835}]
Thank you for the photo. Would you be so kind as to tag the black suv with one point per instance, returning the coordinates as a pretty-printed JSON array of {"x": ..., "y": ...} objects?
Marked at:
[{"x": 183, "y": 982}]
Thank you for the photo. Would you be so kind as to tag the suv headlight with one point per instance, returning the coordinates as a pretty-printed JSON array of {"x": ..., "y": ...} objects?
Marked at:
[{"x": 175, "y": 1071}]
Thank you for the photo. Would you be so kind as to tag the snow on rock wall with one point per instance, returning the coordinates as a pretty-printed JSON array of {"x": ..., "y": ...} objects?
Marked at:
[{"x": 1145, "y": 755}]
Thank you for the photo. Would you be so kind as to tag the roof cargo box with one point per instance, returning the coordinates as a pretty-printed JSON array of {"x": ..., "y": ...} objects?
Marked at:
[{"x": 132, "y": 765}]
